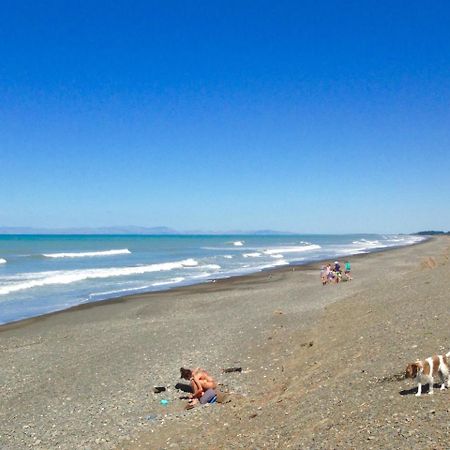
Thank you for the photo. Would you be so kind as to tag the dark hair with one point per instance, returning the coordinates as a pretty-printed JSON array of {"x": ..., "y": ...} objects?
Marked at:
[{"x": 186, "y": 373}]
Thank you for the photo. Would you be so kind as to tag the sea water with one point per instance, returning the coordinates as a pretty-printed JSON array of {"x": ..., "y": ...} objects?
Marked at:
[{"x": 46, "y": 273}]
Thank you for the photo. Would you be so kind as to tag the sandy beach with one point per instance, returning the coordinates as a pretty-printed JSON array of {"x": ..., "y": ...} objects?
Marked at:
[{"x": 322, "y": 365}]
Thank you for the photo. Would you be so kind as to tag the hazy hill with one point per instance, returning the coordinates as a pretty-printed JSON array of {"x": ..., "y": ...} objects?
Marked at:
[{"x": 130, "y": 230}]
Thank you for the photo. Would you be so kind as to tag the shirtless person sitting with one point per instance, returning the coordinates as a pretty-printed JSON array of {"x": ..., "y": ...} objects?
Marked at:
[{"x": 202, "y": 385}]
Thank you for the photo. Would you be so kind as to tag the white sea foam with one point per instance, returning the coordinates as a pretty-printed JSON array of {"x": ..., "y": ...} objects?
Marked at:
[
  {"x": 278, "y": 262},
  {"x": 2, "y": 261},
  {"x": 276, "y": 256},
  {"x": 72, "y": 276},
  {"x": 210, "y": 267},
  {"x": 297, "y": 249},
  {"x": 238, "y": 243},
  {"x": 117, "y": 291},
  {"x": 252, "y": 255},
  {"x": 201, "y": 275},
  {"x": 122, "y": 251},
  {"x": 367, "y": 243},
  {"x": 171, "y": 281},
  {"x": 405, "y": 240},
  {"x": 228, "y": 256}
]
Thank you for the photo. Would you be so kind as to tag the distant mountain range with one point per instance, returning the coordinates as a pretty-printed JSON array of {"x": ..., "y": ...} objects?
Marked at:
[{"x": 131, "y": 230}]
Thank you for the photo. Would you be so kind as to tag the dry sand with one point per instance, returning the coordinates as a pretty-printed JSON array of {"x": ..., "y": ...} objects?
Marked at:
[{"x": 321, "y": 365}]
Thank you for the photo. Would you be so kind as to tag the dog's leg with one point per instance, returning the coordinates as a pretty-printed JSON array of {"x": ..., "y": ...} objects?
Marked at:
[
  {"x": 445, "y": 375},
  {"x": 443, "y": 378},
  {"x": 430, "y": 391},
  {"x": 443, "y": 372},
  {"x": 419, "y": 389}
]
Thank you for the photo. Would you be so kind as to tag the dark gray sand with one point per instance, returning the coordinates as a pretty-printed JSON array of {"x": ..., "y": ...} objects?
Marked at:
[{"x": 321, "y": 364}]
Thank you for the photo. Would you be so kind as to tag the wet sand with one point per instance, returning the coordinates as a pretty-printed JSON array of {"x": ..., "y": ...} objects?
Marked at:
[{"x": 321, "y": 364}]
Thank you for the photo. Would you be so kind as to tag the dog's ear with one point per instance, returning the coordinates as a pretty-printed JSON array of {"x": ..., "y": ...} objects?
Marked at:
[
  {"x": 411, "y": 370},
  {"x": 408, "y": 371}
]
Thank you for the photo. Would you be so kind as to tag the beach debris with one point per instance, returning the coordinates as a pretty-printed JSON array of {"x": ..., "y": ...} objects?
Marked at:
[
  {"x": 184, "y": 387},
  {"x": 307, "y": 344},
  {"x": 164, "y": 401},
  {"x": 159, "y": 389},
  {"x": 232, "y": 369},
  {"x": 278, "y": 311},
  {"x": 389, "y": 378},
  {"x": 151, "y": 417}
]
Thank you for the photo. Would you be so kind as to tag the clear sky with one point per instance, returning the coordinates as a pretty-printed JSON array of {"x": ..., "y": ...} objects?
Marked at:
[{"x": 306, "y": 116}]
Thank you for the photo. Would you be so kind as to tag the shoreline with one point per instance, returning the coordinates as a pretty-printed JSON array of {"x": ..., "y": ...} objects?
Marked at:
[
  {"x": 129, "y": 297},
  {"x": 319, "y": 362}
]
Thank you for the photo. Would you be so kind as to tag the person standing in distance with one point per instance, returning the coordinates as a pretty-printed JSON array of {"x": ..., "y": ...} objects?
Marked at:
[{"x": 348, "y": 269}]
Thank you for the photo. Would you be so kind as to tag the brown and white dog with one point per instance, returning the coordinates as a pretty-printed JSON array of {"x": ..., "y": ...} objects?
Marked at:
[{"x": 425, "y": 371}]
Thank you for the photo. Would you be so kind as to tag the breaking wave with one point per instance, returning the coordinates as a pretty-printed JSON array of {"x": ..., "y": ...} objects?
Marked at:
[
  {"x": 72, "y": 276},
  {"x": 122, "y": 251},
  {"x": 252, "y": 255},
  {"x": 171, "y": 281},
  {"x": 298, "y": 249}
]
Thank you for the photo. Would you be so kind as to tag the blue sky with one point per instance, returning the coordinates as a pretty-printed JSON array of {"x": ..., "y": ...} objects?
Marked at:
[{"x": 290, "y": 115}]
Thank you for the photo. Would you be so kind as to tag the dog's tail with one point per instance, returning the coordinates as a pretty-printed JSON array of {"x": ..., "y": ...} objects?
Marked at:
[{"x": 447, "y": 354}]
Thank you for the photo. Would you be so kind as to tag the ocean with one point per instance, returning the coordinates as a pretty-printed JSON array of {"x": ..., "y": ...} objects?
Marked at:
[{"x": 45, "y": 273}]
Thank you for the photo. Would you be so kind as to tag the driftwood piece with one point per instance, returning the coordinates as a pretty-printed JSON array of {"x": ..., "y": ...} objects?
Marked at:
[
  {"x": 159, "y": 389},
  {"x": 232, "y": 369}
]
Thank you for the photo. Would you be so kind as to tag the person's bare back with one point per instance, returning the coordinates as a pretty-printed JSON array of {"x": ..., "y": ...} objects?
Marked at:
[
  {"x": 203, "y": 382},
  {"x": 199, "y": 380}
]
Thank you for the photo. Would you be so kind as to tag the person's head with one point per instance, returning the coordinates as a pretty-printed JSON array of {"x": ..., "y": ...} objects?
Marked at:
[{"x": 186, "y": 374}]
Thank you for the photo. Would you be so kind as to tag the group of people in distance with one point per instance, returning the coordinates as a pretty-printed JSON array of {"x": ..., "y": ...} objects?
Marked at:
[{"x": 329, "y": 274}]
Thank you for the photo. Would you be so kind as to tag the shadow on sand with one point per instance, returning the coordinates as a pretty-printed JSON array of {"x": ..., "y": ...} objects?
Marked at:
[{"x": 425, "y": 389}]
